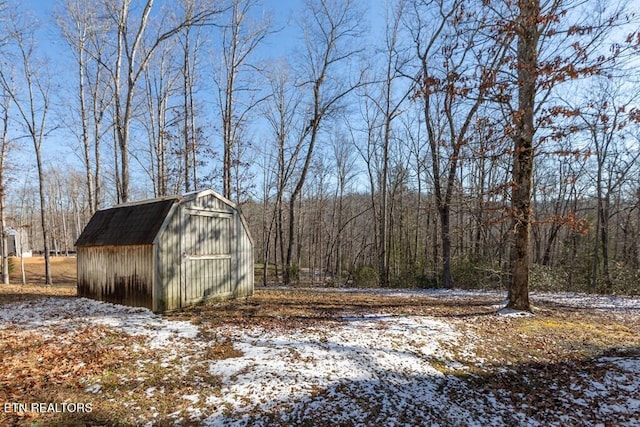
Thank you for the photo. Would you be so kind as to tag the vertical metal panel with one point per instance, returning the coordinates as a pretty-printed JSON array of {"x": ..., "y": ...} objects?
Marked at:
[
  {"x": 118, "y": 274},
  {"x": 169, "y": 245},
  {"x": 245, "y": 262},
  {"x": 209, "y": 201}
]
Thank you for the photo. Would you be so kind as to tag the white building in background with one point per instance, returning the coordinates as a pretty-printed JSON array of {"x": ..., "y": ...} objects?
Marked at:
[{"x": 18, "y": 242}]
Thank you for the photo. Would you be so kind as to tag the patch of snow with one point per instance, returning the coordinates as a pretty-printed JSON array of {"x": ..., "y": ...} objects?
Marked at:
[
  {"x": 365, "y": 370},
  {"x": 631, "y": 365},
  {"x": 368, "y": 358},
  {"x": 193, "y": 398},
  {"x": 412, "y": 293},
  {"x": 509, "y": 312},
  {"x": 579, "y": 300},
  {"x": 94, "y": 388},
  {"x": 72, "y": 313}
]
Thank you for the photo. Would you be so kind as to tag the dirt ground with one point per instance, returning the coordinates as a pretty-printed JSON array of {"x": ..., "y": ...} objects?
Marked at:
[
  {"x": 63, "y": 273},
  {"x": 63, "y": 270}
]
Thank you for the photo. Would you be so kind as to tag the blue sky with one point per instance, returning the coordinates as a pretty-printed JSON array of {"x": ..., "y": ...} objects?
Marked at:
[{"x": 62, "y": 150}]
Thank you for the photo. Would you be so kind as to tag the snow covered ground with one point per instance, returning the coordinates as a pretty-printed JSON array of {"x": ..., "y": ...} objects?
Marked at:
[{"x": 361, "y": 370}]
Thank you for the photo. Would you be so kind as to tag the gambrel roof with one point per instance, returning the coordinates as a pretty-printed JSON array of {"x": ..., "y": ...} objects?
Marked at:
[{"x": 128, "y": 224}]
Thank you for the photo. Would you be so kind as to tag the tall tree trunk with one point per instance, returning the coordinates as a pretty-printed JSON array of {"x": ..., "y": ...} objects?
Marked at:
[
  {"x": 33, "y": 110},
  {"x": 383, "y": 261},
  {"x": 86, "y": 144},
  {"x": 3, "y": 234},
  {"x": 315, "y": 127},
  {"x": 43, "y": 220},
  {"x": 527, "y": 59},
  {"x": 445, "y": 229},
  {"x": 4, "y": 148},
  {"x": 604, "y": 234}
]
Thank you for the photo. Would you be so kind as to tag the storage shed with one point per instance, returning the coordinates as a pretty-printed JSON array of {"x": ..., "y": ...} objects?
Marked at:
[
  {"x": 17, "y": 242},
  {"x": 167, "y": 253}
]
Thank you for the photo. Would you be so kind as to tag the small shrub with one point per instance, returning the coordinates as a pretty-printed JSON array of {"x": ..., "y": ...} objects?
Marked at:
[
  {"x": 414, "y": 279},
  {"x": 294, "y": 273},
  {"x": 626, "y": 280},
  {"x": 579, "y": 278},
  {"x": 425, "y": 281},
  {"x": 365, "y": 276},
  {"x": 547, "y": 279},
  {"x": 469, "y": 274}
]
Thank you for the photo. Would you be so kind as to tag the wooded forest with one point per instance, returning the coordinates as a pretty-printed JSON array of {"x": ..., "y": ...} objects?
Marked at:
[{"x": 411, "y": 143}]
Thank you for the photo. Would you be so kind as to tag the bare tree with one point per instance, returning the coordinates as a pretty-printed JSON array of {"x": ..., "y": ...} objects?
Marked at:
[
  {"x": 82, "y": 28},
  {"x": 610, "y": 109},
  {"x": 345, "y": 171},
  {"x": 31, "y": 98},
  {"x": 238, "y": 95},
  {"x": 389, "y": 108},
  {"x": 330, "y": 31},
  {"x": 5, "y": 145},
  {"x": 455, "y": 71},
  {"x": 412, "y": 133},
  {"x": 367, "y": 147},
  {"x": 132, "y": 56},
  {"x": 191, "y": 42},
  {"x": 161, "y": 83},
  {"x": 280, "y": 110},
  {"x": 554, "y": 183}
]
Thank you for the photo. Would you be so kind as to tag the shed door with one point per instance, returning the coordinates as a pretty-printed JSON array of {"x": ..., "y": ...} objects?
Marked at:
[{"x": 206, "y": 264}]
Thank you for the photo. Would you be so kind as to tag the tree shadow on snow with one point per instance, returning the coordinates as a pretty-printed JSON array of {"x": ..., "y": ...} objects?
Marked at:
[{"x": 587, "y": 392}]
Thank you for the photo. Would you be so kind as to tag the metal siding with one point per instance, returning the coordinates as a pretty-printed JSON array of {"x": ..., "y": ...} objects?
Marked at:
[
  {"x": 244, "y": 244},
  {"x": 211, "y": 202},
  {"x": 157, "y": 296},
  {"x": 235, "y": 267},
  {"x": 207, "y": 260},
  {"x": 118, "y": 274},
  {"x": 243, "y": 281},
  {"x": 169, "y": 254}
]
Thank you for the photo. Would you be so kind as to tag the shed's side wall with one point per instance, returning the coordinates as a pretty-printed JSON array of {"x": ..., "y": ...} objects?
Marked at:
[
  {"x": 118, "y": 274},
  {"x": 168, "y": 259},
  {"x": 207, "y": 264},
  {"x": 241, "y": 279},
  {"x": 204, "y": 252},
  {"x": 243, "y": 266}
]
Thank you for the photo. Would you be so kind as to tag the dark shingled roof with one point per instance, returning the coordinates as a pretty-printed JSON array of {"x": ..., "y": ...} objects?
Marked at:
[{"x": 135, "y": 224}]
